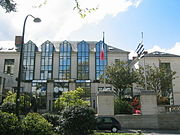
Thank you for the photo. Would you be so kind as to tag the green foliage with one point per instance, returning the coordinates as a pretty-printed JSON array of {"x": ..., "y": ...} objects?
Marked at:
[
  {"x": 158, "y": 79},
  {"x": 54, "y": 119},
  {"x": 9, "y": 124},
  {"x": 10, "y": 101},
  {"x": 78, "y": 120},
  {"x": 35, "y": 124},
  {"x": 8, "y": 5},
  {"x": 83, "y": 12},
  {"x": 122, "y": 107},
  {"x": 71, "y": 98},
  {"x": 121, "y": 76},
  {"x": 9, "y": 107}
]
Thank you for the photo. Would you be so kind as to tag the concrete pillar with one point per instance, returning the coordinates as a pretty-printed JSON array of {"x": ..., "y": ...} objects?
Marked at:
[
  {"x": 105, "y": 103},
  {"x": 148, "y": 102}
]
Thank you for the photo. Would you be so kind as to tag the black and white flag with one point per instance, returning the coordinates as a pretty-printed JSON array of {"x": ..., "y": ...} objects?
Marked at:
[{"x": 140, "y": 49}]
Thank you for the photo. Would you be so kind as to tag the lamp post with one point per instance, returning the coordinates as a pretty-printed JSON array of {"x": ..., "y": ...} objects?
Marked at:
[{"x": 20, "y": 64}]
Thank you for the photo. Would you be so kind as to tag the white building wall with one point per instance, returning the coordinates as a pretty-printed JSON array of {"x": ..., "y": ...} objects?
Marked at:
[{"x": 175, "y": 66}]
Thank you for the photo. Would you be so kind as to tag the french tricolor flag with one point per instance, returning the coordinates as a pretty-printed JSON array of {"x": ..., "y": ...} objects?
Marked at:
[
  {"x": 102, "y": 53},
  {"x": 102, "y": 50}
]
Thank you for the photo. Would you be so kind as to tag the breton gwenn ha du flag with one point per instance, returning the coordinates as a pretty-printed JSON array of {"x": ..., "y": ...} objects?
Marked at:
[
  {"x": 102, "y": 50},
  {"x": 140, "y": 49}
]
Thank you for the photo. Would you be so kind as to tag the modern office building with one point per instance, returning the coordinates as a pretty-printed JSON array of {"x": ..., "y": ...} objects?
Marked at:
[{"x": 60, "y": 66}]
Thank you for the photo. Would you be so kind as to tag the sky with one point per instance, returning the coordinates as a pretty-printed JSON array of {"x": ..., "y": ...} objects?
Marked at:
[{"x": 123, "y": 21}]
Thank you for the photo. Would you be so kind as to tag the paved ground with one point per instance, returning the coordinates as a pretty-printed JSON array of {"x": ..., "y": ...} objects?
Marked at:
[
  {"x": 150, "y": 132},
  {"x": 153, "y": 132}
]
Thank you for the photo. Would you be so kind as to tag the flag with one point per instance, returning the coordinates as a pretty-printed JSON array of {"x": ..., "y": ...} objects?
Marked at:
[
  {"x": 139, "y": 50},
  {"x": 138, "y": 46},
  {"x": 102, "y": 50},
  {"x": 142, "y": 51}
]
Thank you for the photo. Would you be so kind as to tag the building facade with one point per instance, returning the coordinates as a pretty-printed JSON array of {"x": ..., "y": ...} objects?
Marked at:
[
  {"x": 169, "y": 61},
  {"x": 56, "y": 67}
]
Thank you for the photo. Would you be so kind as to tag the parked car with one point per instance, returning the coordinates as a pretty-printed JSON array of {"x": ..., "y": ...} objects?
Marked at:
[{"x": 107, "y": 123}]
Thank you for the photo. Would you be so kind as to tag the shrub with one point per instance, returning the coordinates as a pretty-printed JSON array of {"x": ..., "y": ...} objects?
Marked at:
[
  {"x": 70, "y": 98},
  {"x": 9, "y": 124},
  {"x": 9, "y": 107},
  {"x": 122, "y": 107},
  {"x": 78, "y": 120},
  {"x": 54, "y": 119},
  {"x": 10, "y": 101},
  {"x": 35, "y": 124}
]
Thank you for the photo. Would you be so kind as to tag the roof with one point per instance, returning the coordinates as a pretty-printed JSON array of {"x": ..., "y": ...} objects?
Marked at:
[
  {"x": 160, "y": 54},
  {"x": 92, "y": 45},
  {"x": 9, "y": 46}
]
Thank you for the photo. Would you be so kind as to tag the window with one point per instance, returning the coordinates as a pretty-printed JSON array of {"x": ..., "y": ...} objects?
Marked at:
[
  {"x": 29, "y": 50},
  {"x": 39, "y": 92},
  {"x": 86, "y": 86},
  {"x": 100, "y": 64},
  {"x": 46, "y": 60},
  {"x": 83, "y": 61},
  {"x": 59, "y": 88},
  {"x": 65, "y": 61},
  {"x": 9, "y": 66},
  {"x": 166, "y": 92}
]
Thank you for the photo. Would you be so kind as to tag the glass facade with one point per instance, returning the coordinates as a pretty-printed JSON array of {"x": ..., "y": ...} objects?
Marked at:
[
  {"x": 65, "y": 61},
  {"x": 29, "y": 50},
  {"x": 46, "y": 60},
  {"x": 100, "y": 64},
  {"x": 39, "y": 94},
  {"x": 59, "y": 88},
  {"x": 9, "y": 66},
  {"x": 86, "y": 86},
  {"x": 83, "y": 60}
]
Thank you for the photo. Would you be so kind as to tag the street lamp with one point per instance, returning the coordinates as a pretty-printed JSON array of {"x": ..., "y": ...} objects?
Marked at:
[{"x": 20, "y": 63}]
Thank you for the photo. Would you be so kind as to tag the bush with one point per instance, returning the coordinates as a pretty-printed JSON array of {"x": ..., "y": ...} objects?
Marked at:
[
  {"x": 9, "y": 124},
  {"x": 35, "y": 124},
  {"x": 54, "y": 119},
  {"x": 70, "y": 98},
  {"x": 78, "y": 120},
  {"x": 122, "y": 107},
  {"x": 10, "y": 102},
  {"x": 9, "y": 107}
]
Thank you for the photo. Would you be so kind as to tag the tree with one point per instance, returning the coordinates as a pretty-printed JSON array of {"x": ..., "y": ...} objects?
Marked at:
[
  {"x": 121, "y": 76},
  {"x": 36, "y": 124},
  {"x": 9, "y": 124},
  {"x": 158, "y": 79},
  {"x": 78, "y": 120},
  {"x": 10, "y": 6},
  {"x": 10, "y": 101},
  {"x": 71, "y": 98}
]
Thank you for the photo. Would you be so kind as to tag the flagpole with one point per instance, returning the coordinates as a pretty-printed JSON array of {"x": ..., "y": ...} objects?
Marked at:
[
  {"x": 104, "y": 65},
  {"x": 145, "y": 79}
]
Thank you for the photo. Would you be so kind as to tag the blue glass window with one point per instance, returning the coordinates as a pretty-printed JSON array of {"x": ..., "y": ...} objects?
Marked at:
[
  {"x": 46, "y": 60},
  {"x": 83, "y": 60},
  {"x": 65, "y": 61},
  {"x": 100, "y": 64},
  {"x": 39, "y": 93},
  {"x": 29, "y": 50},
  {"x": 59, "y": 88}
]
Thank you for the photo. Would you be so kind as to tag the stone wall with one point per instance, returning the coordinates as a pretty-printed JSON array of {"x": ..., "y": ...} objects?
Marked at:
[{"x": 159, "y": 121}]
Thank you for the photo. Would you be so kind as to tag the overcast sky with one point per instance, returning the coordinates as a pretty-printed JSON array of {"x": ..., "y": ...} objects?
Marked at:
[{"x": 121, "y": 20}]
